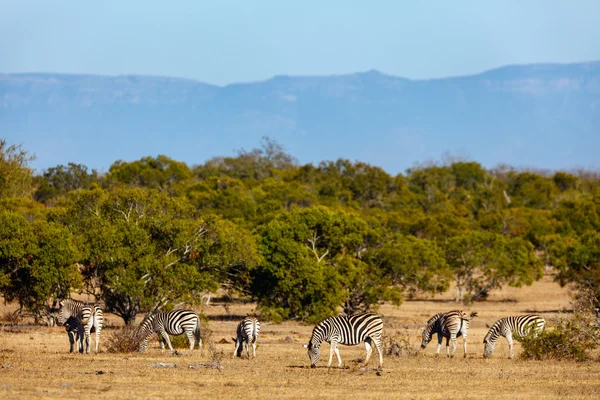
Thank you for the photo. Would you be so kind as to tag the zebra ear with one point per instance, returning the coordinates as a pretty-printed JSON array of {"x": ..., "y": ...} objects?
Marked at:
[
  {"x": 234, "y": 339},
  {"x": 305, "y": 346}
]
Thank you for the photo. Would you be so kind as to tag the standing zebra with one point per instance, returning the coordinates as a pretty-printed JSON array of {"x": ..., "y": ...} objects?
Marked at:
[
  {"x": 448, "y": 325},
  {"x": 75, "y": 332},
  {"x": 175, "y": 323},
  {"x": 519, "y": 325},
  {"x": 247, "y": 332},
  {"x": 89, "y": 316},
  {"x": 349, "y": 330}
]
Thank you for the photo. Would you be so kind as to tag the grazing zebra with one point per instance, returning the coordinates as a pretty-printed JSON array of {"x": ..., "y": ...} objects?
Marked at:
[
  {"x": 89, "y": 315},
  {"x": 519, "y": 325},
  {"x": 247, "y": 332},
  {"x": 175, "y": 323},
  {"x": 448, "y": 325},
  {"x": 349, "y": 330}
]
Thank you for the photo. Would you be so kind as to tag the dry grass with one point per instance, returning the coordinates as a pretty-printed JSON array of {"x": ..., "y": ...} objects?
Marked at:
[{"x": 38, "y": 364}]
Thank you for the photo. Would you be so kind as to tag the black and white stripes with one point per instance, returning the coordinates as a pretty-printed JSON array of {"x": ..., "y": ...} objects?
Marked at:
[
  {"x": 519, "y": 325},
  {"x": 448, "y": 325},
  {"x": 349, "y": 330},
  {"x": 90, "y": 317},
  {"x": 175, "y": 322},
  {"x": 246, "y": 333}
]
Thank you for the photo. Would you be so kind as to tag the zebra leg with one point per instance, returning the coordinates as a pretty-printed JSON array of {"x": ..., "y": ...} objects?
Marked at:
[
  {"x": 332, "y": 347},
  {"x": 437, "y": 352},
  {"x": 337, "y": 353},
  {"x": 453, "y": 338},
  {"x": 369, "y": 350},
  {"x": 199, "y": 339},
  {"x": 380, "y": 351},
  {"x": 87, "y": 339},
  {"x": 161, "y": 340},
  {"x": 167, "y": 340},
  {"x": 247, "y": 343},
  {"x": 237, "y": 345},
  {"x": 80, "y": 335},
  {"x": 72, "y": 340},
  {"x": 254, "y": 348},
  {"x": 98, "y": 328},
  {"x": 510, "y": 346},
  {"x": 190, "y": 335},
  {"x": 465, "y": 346}
]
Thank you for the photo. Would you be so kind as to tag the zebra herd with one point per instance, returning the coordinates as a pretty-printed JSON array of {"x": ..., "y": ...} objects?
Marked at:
[{"x": 81, "y": 319}]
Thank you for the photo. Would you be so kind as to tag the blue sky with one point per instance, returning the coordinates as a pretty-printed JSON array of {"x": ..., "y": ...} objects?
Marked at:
[{"x": 222, "y": 42}]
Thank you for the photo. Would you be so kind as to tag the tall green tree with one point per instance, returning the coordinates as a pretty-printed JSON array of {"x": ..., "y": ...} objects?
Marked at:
[
  {"x": 37, "y": 262},
  {"x": 61, "y": 179},
  {"x": 16, "y": 177},
  {"x": 144, "y": 250},
  {"x": 483, "y": 261}
]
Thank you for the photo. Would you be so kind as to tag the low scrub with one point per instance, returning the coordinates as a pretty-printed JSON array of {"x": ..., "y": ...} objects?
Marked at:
[
  {"x": 574, "y": 337},
  {"x": 123, "y": 340},
  {"x": 401, "y": 343}
]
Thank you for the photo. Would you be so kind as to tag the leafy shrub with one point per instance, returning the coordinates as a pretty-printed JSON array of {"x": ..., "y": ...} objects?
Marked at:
[
  {"x": 574, "y": 337},
  {"x": 123, "y": 340}
]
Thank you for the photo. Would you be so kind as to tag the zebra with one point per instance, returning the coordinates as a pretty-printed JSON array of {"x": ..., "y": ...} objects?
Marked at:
[
  {"x": 348, "y": 330},
  {"x": 175, "y": 322},
  {"x": 519, "y": 325},
  {"x": 247, "y": 332},
  {"x": 90, "y": 317},
  {"x": 448, "y": 325},
  {"x": 75, "y": 332}
]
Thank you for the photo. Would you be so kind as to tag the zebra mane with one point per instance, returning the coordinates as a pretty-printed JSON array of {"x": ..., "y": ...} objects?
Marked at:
[
  {"x": 494, "y": 329},
  {"x": 434, "y": 318}
]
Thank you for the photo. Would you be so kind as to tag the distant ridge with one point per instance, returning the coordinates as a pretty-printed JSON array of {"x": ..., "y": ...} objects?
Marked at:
[{"x": 538, "y": 115}]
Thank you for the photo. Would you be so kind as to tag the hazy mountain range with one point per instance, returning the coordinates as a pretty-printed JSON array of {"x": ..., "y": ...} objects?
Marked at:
[{"x": 544, "y": 115}]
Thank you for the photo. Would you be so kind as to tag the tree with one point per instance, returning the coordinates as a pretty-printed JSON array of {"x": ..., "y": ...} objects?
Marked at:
[
  {"x": 37, "y": 262},
  {"x": 414, "y": 265},
  {"x": 16, "y": 178},
  {"x": 483, "y": 261},
  {"x": 59, "y": 180},
  {"x": 144, "y": 249},
  {"x": 161, "y": 173},
  {"x": 578, "y": 262}
]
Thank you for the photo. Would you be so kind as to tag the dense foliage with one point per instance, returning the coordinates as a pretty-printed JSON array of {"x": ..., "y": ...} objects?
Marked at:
[{"x": 304, "y": 241}]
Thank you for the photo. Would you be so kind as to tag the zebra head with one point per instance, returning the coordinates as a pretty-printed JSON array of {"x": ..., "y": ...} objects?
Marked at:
[
  {"x": 427, "y": 335},
  {"x": 488, "y": 346},
  {"x": 144, "y": 332},
  {"x": 314, "y": 353},
  {"x": 64, "y": 312}
]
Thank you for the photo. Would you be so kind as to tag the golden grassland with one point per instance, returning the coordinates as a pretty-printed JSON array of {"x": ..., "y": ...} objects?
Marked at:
[{"x": 37, "y": 363}]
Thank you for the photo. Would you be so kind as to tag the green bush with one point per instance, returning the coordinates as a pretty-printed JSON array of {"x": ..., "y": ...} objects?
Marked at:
[{"x": 574, "y": 337}]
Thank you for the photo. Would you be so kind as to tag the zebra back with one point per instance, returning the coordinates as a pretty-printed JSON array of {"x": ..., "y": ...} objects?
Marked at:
[
  {"x": 173, "y": 322},
  {"x": 520, "y": 325},
  {"x": 75, "y": 308},
  {"x": 448, "y": 324},
  {"x": 248, "y": 329},
  {"x": 347, "y": 329}
]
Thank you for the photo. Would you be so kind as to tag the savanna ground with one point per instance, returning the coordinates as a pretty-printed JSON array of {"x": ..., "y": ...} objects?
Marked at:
[{"x": 36, "y": 362}]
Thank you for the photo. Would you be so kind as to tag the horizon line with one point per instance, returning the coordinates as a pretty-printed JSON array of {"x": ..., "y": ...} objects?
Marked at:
[{"x": 325, "y": 75}]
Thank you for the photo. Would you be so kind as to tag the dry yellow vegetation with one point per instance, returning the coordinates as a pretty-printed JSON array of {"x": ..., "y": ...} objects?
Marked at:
[{"x": 36, "y": 362}]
